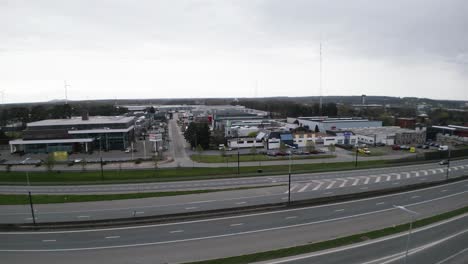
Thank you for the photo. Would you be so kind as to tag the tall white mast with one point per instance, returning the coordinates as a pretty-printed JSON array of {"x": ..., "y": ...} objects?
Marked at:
[
  {"x": 320, "y": 102},
  {"x": 65, "y": 85}
]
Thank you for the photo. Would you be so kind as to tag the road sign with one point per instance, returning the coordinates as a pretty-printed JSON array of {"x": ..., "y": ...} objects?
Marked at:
[{"x": 155, "y": 137}]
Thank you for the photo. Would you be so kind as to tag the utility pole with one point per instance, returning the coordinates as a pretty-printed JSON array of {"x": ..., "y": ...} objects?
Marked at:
[
  {"x": 320, "y": 102},
  {"x": 357, "y": 152},
  {"x": 448, "y": 164},
  {"x": 289, "y": 179},
  {"x": 32, "y": 208}
]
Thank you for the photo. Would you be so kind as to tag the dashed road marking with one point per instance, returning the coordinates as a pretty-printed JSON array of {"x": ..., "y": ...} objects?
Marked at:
[
  {"x": 239, "y": 224},
  {"x": 380, "y": 203},
  {"x": 190, "y": 208},
  {"x": 290, "y": 217},
  {"x": 176, "y": 231},
  {"x": 49, "y": 240},
  {"x": 112, "y": 237},
  {"x": 339, "y": 210}
]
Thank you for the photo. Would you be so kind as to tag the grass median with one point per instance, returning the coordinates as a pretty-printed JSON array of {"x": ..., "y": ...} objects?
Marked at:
[
  {"x": 338, "y": 242},
  {"x": 232, "y": 158},
  {"x": 176, "y": 174},
  {"x": 17, "y": 199}
]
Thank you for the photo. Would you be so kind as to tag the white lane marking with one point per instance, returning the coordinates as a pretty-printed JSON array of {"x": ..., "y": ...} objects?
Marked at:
[
  {"x": 328, "y": 193},
  {"x": 49, "y": 240},
  {"x": 425, "y": 172},
  {"x": 290, "y": 217},
  {"x": 444, "y": 190},
  {"x": 112, "y": 237},
  {"x": 343, "y": 184},
  {"x": 190, "y": 208},
  {"x": 415, "y": 197},
  {"x": 416, "y": 173},
  {"x": 395, "y": 183},
  {"x": 320, "y": 183},
  {"x": 207, "y": 201},
  {"x": 305, "y": 187},
  {"x": 380, "y": 203},
  {"x": 367, "y": 180},
  {"x": 241, "y": 203},
  {"x": 355, "y": 182},
  {"x": 377, "y": 180},
  {"x": 176, "y": 231},
  {"x": 294, "y": 186},
  {"x": 250, "y": 215},
  {"x": 441, "y": 170},
  {"x": 452, "y": 256},
  {"x": 83, "y": 216},
  {"x": 330, "y": 185},
  {"x": 339, "y": 210},
  {"x": 433, "y": 171},
  {"x": 408, "y": 175},
  {"x": 239, "y": 224}
]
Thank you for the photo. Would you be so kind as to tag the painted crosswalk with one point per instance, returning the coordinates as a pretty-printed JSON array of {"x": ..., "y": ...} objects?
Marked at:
[{"x": 342, "y": 182}]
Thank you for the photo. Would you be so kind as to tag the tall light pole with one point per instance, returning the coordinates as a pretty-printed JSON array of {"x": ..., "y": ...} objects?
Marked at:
[
  {"x": 357, "y": 152},
  {"x": 412, "y": 214},
  {"x": 100, "y": 157},
  {"x": 289, "y": 179},
  {"x": 448, "y": 164},
  {"x": 27, "y": 172}
]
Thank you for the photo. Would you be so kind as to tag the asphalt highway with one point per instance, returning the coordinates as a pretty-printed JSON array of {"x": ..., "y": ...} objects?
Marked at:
[
  {"x": 227, "y": 236},
  {"x": 300, "y": 190},
  {"x": 445, "y": 242},
  {"x": 315, "y": 181}
]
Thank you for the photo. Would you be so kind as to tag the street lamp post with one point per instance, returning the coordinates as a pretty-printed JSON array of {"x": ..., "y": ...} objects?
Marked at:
[
  {"x": 357, "y": 152},
  {"x": 448, "y": 165},
  {"x": 412, "y": 214},
  {"x": 32, "y": 208},
  {"x": 100, "y": 157},
  {"x": 289, "y": 179}
]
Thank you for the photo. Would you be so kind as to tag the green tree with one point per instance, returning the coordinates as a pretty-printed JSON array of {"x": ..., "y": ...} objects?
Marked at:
[
  {"x": 199, "y": 149},
  {"x": 253, "y": 150},
  {"x": 310, "y": 145},
  {"x": 49, "y": 162},
  {"x": 331, "y": 148},
  {"x": 282, "y": 147}
]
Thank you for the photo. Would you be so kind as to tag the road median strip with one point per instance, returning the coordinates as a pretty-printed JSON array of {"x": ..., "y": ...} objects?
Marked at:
[{"x": 17, "y": 199}]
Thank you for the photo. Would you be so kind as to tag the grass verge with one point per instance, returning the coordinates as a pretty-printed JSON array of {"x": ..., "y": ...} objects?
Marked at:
[
  {"x": 177, "y": 174},
  {"x": 16, "y": 199},
  {"x": 231, "y": 158},
  {"x": 338, "y": 242}
]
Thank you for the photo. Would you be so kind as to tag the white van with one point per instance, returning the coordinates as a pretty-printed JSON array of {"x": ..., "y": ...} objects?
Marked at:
[{"x": 443, "y": 148}]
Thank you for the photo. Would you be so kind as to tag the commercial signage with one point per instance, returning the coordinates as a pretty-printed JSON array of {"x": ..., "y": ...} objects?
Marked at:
[{"x": 155, "y": 137}]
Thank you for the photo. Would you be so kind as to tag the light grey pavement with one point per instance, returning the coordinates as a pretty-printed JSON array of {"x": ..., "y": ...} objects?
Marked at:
[
  {"x": 445, "y": 242},
  {"x": 226, "y": 236}
]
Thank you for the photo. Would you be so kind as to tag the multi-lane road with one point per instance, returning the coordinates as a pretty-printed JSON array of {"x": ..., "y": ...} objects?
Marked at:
[
  {"x": 305, "y": 186},
  {"x": 441, "y": 243},
  {"x": 302, "y": 182},
  {"x": 229, "y": 236}
]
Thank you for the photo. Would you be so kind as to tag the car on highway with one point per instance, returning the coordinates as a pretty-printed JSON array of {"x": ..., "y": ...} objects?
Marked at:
[{"x": 444, "y": 162}]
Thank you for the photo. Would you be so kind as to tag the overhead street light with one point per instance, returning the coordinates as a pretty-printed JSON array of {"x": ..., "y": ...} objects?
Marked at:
[{"x": 412, "y": 214}]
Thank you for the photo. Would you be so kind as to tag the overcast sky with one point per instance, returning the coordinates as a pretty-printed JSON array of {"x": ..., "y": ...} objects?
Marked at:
[{"x": 219, "y": 48}]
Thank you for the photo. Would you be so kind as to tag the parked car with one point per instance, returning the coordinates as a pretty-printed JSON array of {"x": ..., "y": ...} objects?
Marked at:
[
  {"x": 396, "y": 147},
  {"x": 443, "y": 148},
  {"x": 419, "y": 146},
  {"x": 380, "y": 144},
  {"x": 405, "y": 147},
  {"x": 425, "y": 146}
]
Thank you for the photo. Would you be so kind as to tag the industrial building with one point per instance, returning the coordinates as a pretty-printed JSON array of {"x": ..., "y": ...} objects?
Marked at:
[
  {"x": 390, "y": 135},
  {"x": 77, "y": 134},
  {"x": 324, "y": 123}
]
